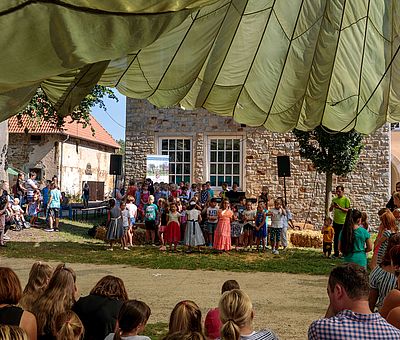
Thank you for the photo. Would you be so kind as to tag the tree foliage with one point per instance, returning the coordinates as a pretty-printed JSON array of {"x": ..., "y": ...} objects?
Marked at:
[
  {"x": 41, "y": 108},
  {"x": 121, "y": 143},
  {"x": 330, "y": 152}
]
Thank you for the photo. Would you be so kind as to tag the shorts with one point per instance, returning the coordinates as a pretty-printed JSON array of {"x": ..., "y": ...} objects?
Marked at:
[
  {"x": 326, "y": 246},
  {"x": 211, "y": 227},
  {"x": 275, "y": 234},
  {"x": 133, "y": 221},
  {"x": 29, "y": 198},
  {"x": 55, "y": 212},
  {"x": 248, "y": 227},
  {"x": 150, "y": 224}
]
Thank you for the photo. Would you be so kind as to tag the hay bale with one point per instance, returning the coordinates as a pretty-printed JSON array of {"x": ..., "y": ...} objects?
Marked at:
[
  {"x": 101, "y": 233},
  {"x": 139, "y": 237},
  {"x": 302, "y": 225},
  {"x": 306, "y": 239}
]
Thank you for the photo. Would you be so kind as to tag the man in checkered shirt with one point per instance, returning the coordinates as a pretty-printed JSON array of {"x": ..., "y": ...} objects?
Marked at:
[{"x": 348, "y": 315}]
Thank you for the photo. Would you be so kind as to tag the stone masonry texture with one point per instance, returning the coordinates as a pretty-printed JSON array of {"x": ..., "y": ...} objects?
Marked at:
[{"x": 367, "y": 187}]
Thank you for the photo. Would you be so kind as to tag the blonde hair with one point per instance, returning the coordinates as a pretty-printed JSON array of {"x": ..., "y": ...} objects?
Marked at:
[
  {"x": 236, "y": 312},
  {"x": 388, "y": 221},
  {"x": 58, "y": 297},
  {"x": 69, "y": 326},
  {"x": 185, "y": 317},
  {"x": 8, "y": 332},
  {"x": 39, "y": 277}
]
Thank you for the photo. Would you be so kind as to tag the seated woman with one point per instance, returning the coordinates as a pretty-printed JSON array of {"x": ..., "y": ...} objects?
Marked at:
[
  {"x": 381, "y": 280},
  {"x": 236, "y": 312},
  {"x": 39, "y": 277},
  {"x": 391, "y": 304},
  {"x": 58, "y": 297},
  {"x": 132, "y": 319},
  {"x": 99, "y": 310},
  {"x": 10, "y": 294},
  {"x": 185, "y": 318}
]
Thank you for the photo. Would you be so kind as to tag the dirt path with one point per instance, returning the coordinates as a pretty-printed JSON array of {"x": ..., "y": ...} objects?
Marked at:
[{"x": 285, "y": 303}]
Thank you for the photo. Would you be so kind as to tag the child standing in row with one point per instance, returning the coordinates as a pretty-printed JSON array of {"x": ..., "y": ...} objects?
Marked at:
[
  {"x": 277, "y": 215},
  {"x": 249, "y": 216},
  {"x": 150, "y": 215},
  {"x": 193, "y": 234},
  {"x": 212, "y": 220},
  {"x": 114, "y": 224},
  {"x": 126, "y": 224},
  {"x": 173, "y": 230},
  {"x": 236, "y": 227},
  {"x": 222, "y": 239},
  {"x": 132, "y": 209},
  {"x": 163, "y": 221},
  {"x": 327, "y": 238},
  {"x": 260, "y": 232}
]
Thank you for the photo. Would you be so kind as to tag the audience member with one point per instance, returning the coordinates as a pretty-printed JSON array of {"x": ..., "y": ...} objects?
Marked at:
[
  {"x": 236, "y": 312},
  {"x": 132, "y": 319},
  {"x": 39, "y": 277},
  {"x": 58, "y": 297},
  {"x": 212, "y": 323},
  {"x": 99, "y": 310},
  {"x": 348, "y": 315},
  {"x": 185, "y": 336},
  {"x": 12, "y": 333},
  {"x": 185, "y": 317},
  {"x": 69, "y": 326},
  {"x": 10, "y": 314}
]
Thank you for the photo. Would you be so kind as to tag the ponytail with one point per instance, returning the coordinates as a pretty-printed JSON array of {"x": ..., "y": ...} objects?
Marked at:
[
  {"x": 230, "y": 330},
  {"x": 69, "y": 326}
]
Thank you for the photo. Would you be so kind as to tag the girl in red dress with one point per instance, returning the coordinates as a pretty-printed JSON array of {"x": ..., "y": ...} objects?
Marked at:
[
  {"x": 173, "y": 230},
  {"x": 222, "y": 235}
]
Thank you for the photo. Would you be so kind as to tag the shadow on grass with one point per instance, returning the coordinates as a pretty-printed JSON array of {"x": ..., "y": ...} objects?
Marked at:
[{"x": 295, "y": 261}]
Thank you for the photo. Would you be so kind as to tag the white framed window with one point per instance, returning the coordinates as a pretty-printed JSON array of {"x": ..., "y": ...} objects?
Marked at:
[
  {"x": 225, "y": 155},
  {"x": 180, "y": 158}
]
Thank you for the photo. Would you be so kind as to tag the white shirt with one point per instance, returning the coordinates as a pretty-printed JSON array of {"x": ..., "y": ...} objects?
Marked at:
[{"x": 132, "y": 208}]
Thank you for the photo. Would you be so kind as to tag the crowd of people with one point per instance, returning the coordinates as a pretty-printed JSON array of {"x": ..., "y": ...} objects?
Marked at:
[
  {"x": 197, "y": 217},
  {"x": 50, "y": 307}
]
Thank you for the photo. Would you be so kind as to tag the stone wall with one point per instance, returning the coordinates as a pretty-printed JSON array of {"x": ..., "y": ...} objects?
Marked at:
[{"x": 367, "y": 187}]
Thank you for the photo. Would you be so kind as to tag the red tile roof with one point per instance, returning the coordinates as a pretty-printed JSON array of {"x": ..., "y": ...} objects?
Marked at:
[{"x": 73, "y": 129}]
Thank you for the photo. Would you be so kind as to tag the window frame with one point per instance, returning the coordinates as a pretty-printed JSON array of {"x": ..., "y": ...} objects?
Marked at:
[
  {"x": 242, "y": 158},
  {"x": 158, "y": 147}
]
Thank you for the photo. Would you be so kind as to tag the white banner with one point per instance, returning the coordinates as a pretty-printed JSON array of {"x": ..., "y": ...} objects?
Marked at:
[{"x": 158, "y": 168}]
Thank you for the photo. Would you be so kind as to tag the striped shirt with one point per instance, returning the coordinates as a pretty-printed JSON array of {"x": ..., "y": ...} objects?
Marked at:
[
  {"x": 347, "y": 325},
  {"x": 382, "y": 248},
  {"x": 260, "y": 335},
  {"x": 383, "y": 282}
]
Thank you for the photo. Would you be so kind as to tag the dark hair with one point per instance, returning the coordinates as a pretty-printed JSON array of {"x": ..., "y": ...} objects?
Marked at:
[
  {"x": 111, "y": 202},
  {"x": 394, "y": 240},
  {"x": 10, "y": 286},
  {"x": 214, "y": 199},
  {"x": 229, "y": 285},
  {"x": 111, "y": 287},
  {"x": 353, "y": 278},
  {"x": 341, "y": 187},
  {"x": 132, "y": 314},
  {"x": 395, "y": 258},
  {"x": 347, "y": 240}
]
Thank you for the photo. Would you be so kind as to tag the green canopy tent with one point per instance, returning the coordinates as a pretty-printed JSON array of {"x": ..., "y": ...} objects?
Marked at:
[{"x": 281, "y": 64}]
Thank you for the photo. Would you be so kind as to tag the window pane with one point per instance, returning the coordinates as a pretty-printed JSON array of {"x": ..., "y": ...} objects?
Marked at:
[
  {"x": 164, "y": 144},
  {"x": 236, "y": 156},
  {"x": 179, "y": 144},
  {"x": 213, "y": 144},
  {"x": 220, "y": 169},
  {"x": 164, "y": 152},
  {"x": 172, "y": 144},
  {"x": 213, "y": 156},
  {"x": 213, "y": 168},
  {"x": 220, "y": 180},
  {"x": 228, "y": 180},
  {"x": 172, "y": 179},
  {"x": 187, "y": 144},
  {"x": 186, "y": 179},
  {"x": 228, "y": 156},
  {"x": 236, "y": 144},
  {"x": 221, "y": 144},
  {"x": 213, "y": 180},
  {"x": 178, "y": 179},
  {"x": 172, "y": 156},
  {"x": 179, "y": 156},
  {"x": 187, "y": 156},
  {"x": 236, "y": 179},
  {"x": 186, "y": 168},
  {"x": 229, "y": 144},
  {"x": 179, "y": 168},
  {"x": 171, "y": 168},
  {"x": 236, "y": 169},
  {"x": 228, "y": 169},
  {"x": 220, "y": 156}
]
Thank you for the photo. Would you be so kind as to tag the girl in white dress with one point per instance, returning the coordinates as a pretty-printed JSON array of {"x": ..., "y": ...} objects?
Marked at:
[{"x": 193, "y": 234}]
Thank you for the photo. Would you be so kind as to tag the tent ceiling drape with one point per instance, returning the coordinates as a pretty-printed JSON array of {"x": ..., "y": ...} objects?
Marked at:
[{"x": 280, "y": 64}]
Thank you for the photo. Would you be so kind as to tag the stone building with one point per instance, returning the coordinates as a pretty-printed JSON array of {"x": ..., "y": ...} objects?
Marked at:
[
  {"x": 73, "y": 154},
  {"x": 203, "y": 146}
]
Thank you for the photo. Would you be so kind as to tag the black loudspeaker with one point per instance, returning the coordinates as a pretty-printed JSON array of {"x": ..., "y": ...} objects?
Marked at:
[
  {"x": 116, "y": 165},
  {"x": 283, "y": 166}
]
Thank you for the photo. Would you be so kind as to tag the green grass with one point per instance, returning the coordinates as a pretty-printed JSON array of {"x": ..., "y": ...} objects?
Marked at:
[
  {"x": 75, "y": 246},
  {"x": 156, "y": 331}
]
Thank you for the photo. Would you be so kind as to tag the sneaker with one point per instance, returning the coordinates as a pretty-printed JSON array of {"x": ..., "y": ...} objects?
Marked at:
[
  {"x": 275, "y": 252},
  {"x": 57, "y": 229},
  {"x": 49, "y": 230},
  {"x": 153, "y": 245},
  {"x": 110, "y": 249},
  {"x": 125, "y": 248}
]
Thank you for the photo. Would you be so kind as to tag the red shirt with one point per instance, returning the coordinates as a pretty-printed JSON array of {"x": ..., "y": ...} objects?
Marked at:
[{"x": 213, "y": 324}]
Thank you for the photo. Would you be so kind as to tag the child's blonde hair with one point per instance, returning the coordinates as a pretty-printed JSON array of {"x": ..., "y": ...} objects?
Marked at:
[
  {"x": 69, "y": 326},
  {"x": 8, "y": 332},
  {"x": 236, "y": 312},
  {"x": 151, "y": 199},
  {"x": 185, "y": 317},
  {"x": 389, "y": 221}
]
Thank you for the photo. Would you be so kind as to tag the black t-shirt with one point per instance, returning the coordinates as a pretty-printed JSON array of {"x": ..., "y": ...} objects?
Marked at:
[
  {"x": 98, "y": 314},
  {"x": 10, "y": 315}
]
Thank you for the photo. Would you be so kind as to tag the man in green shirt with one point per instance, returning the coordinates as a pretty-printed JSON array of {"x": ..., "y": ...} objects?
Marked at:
[{"x": 340, "y": 205}]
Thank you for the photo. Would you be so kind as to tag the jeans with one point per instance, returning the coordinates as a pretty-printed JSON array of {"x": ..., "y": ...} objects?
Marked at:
[{"x": 338, "y": 228}]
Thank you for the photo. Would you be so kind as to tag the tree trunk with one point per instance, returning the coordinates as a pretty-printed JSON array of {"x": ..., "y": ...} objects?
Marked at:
[
  {"x": 3, "y": 150},
  {"x": 328, "y": 190}
]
